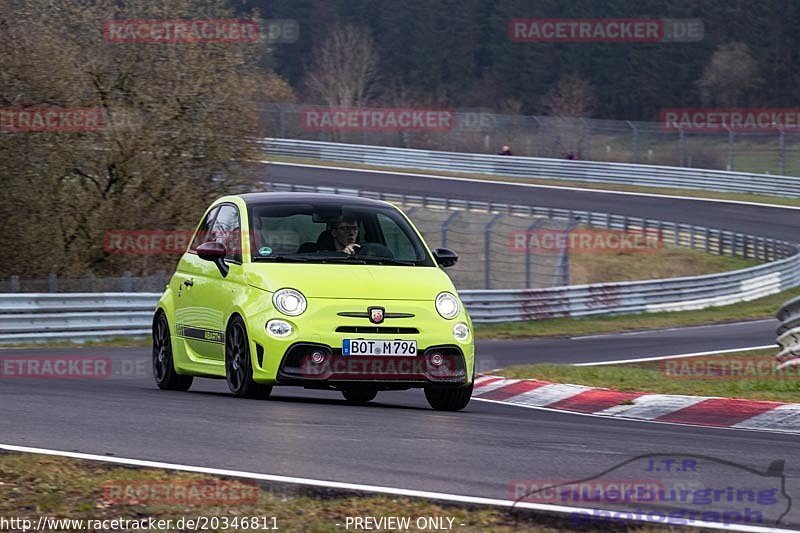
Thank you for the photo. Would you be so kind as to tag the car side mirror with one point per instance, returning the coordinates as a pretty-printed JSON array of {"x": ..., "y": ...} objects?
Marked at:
[
  {"x": 214, "y": 252},
  {"x": 445, "y": 257}
]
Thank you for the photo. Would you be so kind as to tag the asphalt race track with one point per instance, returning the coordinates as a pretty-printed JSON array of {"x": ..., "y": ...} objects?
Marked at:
[
  {"x": 397, "y": 440},
  {"x": 757, "y": 220}
]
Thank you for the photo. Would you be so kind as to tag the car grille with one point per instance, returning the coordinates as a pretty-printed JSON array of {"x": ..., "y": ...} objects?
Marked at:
[{"x": 378, "y": 329}]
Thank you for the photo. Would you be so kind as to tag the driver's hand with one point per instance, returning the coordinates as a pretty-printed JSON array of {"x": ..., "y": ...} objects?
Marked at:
[{"x": 351, "y": 248}]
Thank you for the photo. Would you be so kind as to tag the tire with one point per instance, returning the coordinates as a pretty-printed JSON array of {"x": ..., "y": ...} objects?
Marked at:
[
  {"x": 163, "y": 363},
  {"x": 360, "y": 395},
  {"x": 238, "y": 364},
  {"x": 448, "y": 399}
]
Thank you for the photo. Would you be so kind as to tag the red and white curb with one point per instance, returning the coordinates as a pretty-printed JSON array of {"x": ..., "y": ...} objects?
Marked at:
[{"x": 666, "y": 408}]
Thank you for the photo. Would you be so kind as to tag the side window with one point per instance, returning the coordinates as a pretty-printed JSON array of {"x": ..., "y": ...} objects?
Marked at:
[
  {"x": 396, "y": 239},
  {"x": 203, "y": 232},
  {"x": 226, "y": 231}
]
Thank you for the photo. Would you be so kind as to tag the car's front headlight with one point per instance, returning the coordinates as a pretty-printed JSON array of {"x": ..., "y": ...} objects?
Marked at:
[
  {"x": 447, "y": 305},
  {"x": 289, "y": 302}
]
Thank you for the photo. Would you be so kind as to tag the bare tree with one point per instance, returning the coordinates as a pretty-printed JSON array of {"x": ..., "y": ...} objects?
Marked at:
[
  {"x": 344, "y": 68},
  {"x": 730, "y": 77},
  {"x": 175, "y": 118},
  {"x": 570, "y": 97},
  {"x": 568, "y": 102}
]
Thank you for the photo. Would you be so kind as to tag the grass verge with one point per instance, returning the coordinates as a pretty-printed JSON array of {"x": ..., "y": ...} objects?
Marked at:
[
  {"x": 666, "y": 262},
  {"x": 692, "y": 193},
  {"x": 691, "y": 375},
  {"x": 752, "y": 310},
  {"x": 33, "y": 486}
]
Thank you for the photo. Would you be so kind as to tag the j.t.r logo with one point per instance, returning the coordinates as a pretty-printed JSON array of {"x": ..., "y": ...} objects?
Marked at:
[{"x": 375, "y": 315}]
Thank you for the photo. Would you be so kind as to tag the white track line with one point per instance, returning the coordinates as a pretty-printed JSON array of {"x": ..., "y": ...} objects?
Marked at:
[
  {"x": 441, "y": 496},
  {"x": 520, "y": 184},
  {"x": 679, "y": 356}
]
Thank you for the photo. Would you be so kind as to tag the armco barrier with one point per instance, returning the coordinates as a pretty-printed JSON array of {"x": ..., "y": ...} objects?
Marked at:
[
  {"x": 31, "y": 317},
  {"x": 537, "y": 167},
  {"x": 789, "y": 333}
]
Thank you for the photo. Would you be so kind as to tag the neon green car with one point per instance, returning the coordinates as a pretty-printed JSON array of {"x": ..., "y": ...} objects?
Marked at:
[{"x": 314, "y": 290}]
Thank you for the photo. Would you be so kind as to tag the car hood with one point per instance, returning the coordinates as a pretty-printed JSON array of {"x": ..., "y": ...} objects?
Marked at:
[{"x": 384, "y": 282}]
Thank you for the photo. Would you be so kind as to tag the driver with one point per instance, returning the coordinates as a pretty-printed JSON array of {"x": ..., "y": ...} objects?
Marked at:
[{"x": 345, "y": 234}]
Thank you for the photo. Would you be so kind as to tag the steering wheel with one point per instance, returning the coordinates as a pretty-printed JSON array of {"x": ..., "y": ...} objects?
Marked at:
[{"x": 374, "y": 249}]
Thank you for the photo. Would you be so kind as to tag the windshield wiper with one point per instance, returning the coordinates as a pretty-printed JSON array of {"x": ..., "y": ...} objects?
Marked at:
[
  {"x": 387, "y": 260},
  {"x": 341, "y": 259},
  {"x": 279, "y": 258}
]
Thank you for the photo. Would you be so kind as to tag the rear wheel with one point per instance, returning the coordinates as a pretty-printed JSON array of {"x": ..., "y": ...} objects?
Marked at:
[
  {"x": 448, "y": 398},
  {"x": 163, "y": 364},
  {"x": 360, "y": 394},
  {"x": 238, "y": 365}
]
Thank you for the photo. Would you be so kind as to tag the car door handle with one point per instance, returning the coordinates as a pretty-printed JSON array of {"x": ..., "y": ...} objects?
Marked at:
[{"x": 188, "y": 282}]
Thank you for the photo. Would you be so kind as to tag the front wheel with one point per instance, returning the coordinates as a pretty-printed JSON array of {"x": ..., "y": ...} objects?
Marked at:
[
  {"x": 448, "y": 398},
  {"x": 238, "y": 365},
  {"x": 360, "y": 395},
  {"x": 163, "y": 364}
]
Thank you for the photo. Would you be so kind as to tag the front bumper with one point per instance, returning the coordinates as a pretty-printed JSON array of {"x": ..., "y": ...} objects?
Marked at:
[
  {"x": 324, "y": 326},
  {"x": 316, "y": 365}
]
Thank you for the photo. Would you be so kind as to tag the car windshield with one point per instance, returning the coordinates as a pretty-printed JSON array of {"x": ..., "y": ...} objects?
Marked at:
[{"x": 334, "y": 233}]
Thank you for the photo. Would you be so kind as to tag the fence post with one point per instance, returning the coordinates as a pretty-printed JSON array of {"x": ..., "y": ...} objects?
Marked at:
[
  {"x": 445, "y": 224},
  {"x": 53, "y": 282},
  {"x": 587, "y": 155},
  {"x": 487, "y": 247},
  {"x": 782, "y": 152},
  {"x": 681, "y": 148},
  {"x": 540, "y": 137},
  {"x": 127, "y": 281},
  {"x": 731, "y": 151},
  {"x": 531, "y": 228},
  {"x": 635, "y": 141},
  {"x": 14, "y": 283}
]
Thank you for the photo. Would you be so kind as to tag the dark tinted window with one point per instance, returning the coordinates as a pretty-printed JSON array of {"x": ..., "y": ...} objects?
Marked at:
[{"x": 308, "y": 229}]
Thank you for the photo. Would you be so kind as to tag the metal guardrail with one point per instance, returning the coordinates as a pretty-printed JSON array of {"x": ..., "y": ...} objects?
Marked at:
[
  {"x": 789, "y": 333},
  {"x": 537, "y": 167},
  {"x": 30, "y": 317}
]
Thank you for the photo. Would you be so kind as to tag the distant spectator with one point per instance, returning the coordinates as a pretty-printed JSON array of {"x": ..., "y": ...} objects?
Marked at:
[
  {"x": 505, "y": 151},
  {"x": 570, "y": 155}
]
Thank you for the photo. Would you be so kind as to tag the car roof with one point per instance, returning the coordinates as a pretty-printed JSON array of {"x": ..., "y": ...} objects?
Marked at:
[{"x": 260, "y": 198}]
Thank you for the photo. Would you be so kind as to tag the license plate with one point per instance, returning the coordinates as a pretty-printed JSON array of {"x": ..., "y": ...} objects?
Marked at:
[{"x": 378, "y": 347}]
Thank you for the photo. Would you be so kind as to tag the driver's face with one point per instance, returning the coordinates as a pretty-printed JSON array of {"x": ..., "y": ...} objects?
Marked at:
[{"x": 345, "y": 233}]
